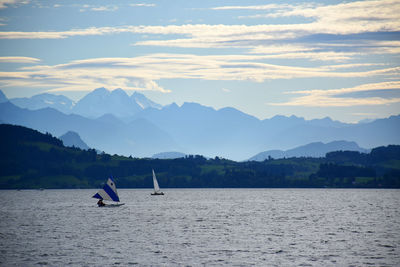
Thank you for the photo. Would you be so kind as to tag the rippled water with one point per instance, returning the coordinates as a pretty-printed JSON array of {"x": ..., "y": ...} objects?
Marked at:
[{"x": 233, "y": 227}]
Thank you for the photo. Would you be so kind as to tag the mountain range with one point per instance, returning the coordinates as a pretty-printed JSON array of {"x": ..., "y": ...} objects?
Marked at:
[
  {"x": 95, "y": 104},
  {"x": 169, "y": 155},
  {"x": 72, "y": 139},
  {"x": 116, "y": 123},
  {"x": 107, "y": 133},
  {"x": 59, "y": 102},
  {"x": 32, "y": 160},
  {"x": 315, "y": 150},
  {"x": 3, "y": 98}
]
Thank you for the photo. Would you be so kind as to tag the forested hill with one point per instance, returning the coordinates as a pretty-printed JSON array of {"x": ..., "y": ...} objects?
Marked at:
[{"x": 30, "y": 159}]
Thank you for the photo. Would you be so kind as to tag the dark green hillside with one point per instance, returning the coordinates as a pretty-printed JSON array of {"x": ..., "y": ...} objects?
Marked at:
[
  {"x": 30, "y": 159},
  {"x": 13, "y": 134}
]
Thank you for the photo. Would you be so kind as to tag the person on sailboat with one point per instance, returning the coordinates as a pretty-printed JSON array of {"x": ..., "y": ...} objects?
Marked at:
[{"x": 100, "y": 203}]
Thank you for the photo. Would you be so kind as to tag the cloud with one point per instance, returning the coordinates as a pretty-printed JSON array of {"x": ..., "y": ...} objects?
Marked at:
[
  {"x": 129, "y": 84},
  {"x": 338, "y": 19},
  {"x": 258, "y": 7},
  {"x": 350, "y": 66},
  {"x": 275, "y": 41},
  {"x": 268, "y": 7},
  {"x": 107, "y": 8},
  {"x": 348, "y": 18},
  {"x": 19, "y": 60},
  {"x": 365, "y": 114},
  {"x": 78, "y": 76},
  {"x": 381, "y": 47},
  {"x": 297, "y": 51},
  {"x": 142, "y": 5},
  {"x": 104, "y": 8},
  {"x": 143, "y": 72},
  {"x": 6, "y": 3},
  {"x": 63, "y": 34},
  {"x": 345, "y": 97},
  {"x": 343, "y": 18}
]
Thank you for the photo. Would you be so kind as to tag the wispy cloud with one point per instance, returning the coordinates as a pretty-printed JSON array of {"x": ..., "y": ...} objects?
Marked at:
[
  {"x": 297, "y": 51},
  {"x": 81, "y": 76},
  {"x": 339, "y": 19},
  {"x": 344, "y": 97},
  {"x": 347, "y": 18},
  {"x": 144, "y": 72},
  {"x": 277, "y": 41},
  {"x": 7, "y": 3},
  {"x": 142, "y": 5},
  {"x": 343, "y": 18},
  {"x": 268, "y": 7},
  {"x": 104, "y": 8},
  {"x": 63, "y": 34},
  {"x": 19, "y": 60}
]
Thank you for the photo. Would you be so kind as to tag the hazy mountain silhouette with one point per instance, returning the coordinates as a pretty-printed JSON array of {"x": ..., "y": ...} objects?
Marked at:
[
  {"x": 116, "y": 123},
  {"x": 168, "y": 155},
  {"x": 32, "y": 160},
  {"x": 140, "y": 138},
  {"x": 101, "y": 101},
  {"x": 58, "y": 102},
  {"x": 93, "y": 105},
  {"x": 72, "y": 139},
  {"x": 3, "y": 97},
  {"x": 144, "y": 102},
  {"x": 203, "y": 130},
  {"x": 232, "y": 134},
  {"x": 317, "y": 149}
]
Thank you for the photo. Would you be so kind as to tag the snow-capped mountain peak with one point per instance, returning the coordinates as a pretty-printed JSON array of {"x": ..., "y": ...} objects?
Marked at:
[
  {"x": 144, "y": 102},
  {"x": 93, "y": 105},
  {"x": 59, "y": 102}
]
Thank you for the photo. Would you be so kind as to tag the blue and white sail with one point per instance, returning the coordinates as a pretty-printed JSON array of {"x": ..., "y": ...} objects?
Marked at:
[{"x": 109, "y": 191}]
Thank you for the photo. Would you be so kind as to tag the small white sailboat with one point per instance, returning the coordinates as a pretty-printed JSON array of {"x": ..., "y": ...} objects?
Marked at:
[
  {"x": 157, "y": 191},
  {"x": 108, "y": 192}
]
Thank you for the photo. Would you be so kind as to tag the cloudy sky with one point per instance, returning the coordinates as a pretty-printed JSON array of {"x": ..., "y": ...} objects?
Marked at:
[{"x": 313, "y": 59}]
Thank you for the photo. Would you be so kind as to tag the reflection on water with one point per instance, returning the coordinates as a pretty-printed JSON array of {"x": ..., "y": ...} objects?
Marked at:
[{"x": 274, "y": 227}]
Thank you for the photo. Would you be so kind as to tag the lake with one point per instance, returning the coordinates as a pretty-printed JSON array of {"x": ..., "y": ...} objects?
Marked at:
[{"x": 196, "y": 227}]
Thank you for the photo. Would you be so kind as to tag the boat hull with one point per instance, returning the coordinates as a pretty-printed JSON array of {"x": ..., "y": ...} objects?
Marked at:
[
  {"x": 112, "y": 205},
  {"x": 157, "y": 194}
]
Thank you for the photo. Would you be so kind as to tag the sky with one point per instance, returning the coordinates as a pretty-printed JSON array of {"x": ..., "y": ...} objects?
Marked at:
[{"x": 310, "y": 59}]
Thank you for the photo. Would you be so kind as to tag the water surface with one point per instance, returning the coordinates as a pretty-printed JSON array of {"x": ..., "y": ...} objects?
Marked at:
[{"x": 192, "y": 227}]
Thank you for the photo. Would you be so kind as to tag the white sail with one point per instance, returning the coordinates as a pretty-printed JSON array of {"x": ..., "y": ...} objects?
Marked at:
[{"x": 156, "y": 187}]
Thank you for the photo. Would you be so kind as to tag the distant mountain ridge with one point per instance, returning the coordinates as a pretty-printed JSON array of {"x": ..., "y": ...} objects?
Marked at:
[
  {"x": 168, "y": 155},
  {"x": 101, "y": 101},
  {"x": 3, "y": 98},
  {"x": 191, "y": 128},
  {"x": 144, "y": 102},
  {"x": 32, "y": 160},
  {"x": 140, "y": 138},
  {"x": 72, "y": 139},
  {"x": 315, "y": 150},
  {"x": 59, "y": 102},
  {"x": 93, "y": 105}
]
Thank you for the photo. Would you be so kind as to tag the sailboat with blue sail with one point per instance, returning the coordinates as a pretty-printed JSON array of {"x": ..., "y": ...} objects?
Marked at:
[{"x": 108, "y": 192}]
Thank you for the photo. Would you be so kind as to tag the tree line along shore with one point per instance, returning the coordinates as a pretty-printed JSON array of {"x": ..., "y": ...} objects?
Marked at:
[{"x": 31, "y": 160}]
